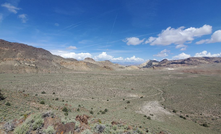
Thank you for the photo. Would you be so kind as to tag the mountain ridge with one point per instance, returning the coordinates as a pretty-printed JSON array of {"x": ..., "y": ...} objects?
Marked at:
[{"x": 22, "y": 58}]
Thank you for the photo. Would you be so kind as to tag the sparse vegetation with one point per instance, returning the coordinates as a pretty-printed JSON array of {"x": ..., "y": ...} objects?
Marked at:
[
  {"x": 32, "y": 123},
  {"x": 49, "y": 130},
  {"x": 177, "y": 88},
  {"x": 66, "y": 113}
]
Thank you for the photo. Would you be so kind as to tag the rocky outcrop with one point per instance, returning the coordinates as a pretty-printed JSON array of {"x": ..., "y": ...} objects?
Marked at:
[
  {"x": 151, "y": 63},
  {"x": 82, "y": 118},
  {"x": 193, "y": 61}
]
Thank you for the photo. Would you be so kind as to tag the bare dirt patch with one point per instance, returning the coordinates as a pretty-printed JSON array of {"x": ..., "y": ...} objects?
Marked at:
[
  {"x": 133, "y": 95},
  {"x": 154, "y": 110}
]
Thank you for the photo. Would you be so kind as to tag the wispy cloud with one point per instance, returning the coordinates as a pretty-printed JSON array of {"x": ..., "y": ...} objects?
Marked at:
[
  {"x": 23, "y": 18},
  {"x": 85, "y": 41},
  {"x": 179, "y": 36},
  {"x": 1, "y": 17},
  {"x": 216, "y": 37},
  {"x": 56, "y": 24},
  {"x": 11, "y": 8},
  {"x": 72, "y": 47}
]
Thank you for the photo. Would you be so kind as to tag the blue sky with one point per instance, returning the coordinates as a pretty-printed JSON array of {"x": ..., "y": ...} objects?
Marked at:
[{"x": 122, "y": 31}]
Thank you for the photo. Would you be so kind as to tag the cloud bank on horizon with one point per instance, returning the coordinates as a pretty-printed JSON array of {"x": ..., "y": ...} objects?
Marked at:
[{"x": 120, "y": 31}]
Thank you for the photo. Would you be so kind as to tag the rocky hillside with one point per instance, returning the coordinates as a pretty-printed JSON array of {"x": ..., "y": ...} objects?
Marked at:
[
  {"x": 21, "y": 58},
  {"x": 193, "y": 61}
]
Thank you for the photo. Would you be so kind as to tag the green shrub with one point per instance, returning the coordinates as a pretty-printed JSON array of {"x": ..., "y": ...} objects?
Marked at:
[
  {"x": 65, "y": 109},
  {"x": 8, "y": 104},
  {"x": 149, "y": 118},
  {"x": 174, "y": 111},
  {"x": 56, "y": 99},
  {"x": 182, "y": 117},
  {"x": 105, "y": 110},
  {"x": 43, "y": 92},
  {"x": 99, "y": 120},
  {"x": 66, "y": 113},
  {"x": 91, "y": 112},
  {"x": 42, "y": 102},
  {"x": 205, "y": 125},
  {"x": 128, "y": 102},
  {"x": 114, "y": 127},
  {"x": 1, "y": 96}
]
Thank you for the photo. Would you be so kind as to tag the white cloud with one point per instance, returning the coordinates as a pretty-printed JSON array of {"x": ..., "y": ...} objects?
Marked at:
[
  {"x": 202, "y": 41},
  {"x": 216, "y": 37},
  {"x": 133, "y": 41},
  {"x": 100, "y": 57},
  {"x": 163, "y": 53},
  {"x": 179, "y": 36},
  {"x": 134, "y": 59},
  {"x": 23, "y": 18},
  {"x": 56, "y": 24},
  {"x": 207, "y": 54},
  {"x": 181, "y": 56},
  {"x": 103, "y": 56},
  {"x": 10, "y": 8},
  {"x": 78, "y": 56},
  {"x": 72, "y": 47},
  {"x": 150, "y": 39}
]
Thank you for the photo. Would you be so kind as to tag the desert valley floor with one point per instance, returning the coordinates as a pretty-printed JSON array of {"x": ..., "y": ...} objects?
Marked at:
[{"x": 184, "y": 100}]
